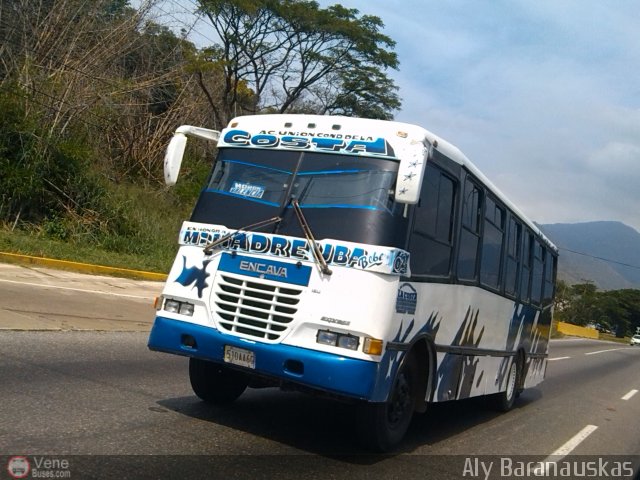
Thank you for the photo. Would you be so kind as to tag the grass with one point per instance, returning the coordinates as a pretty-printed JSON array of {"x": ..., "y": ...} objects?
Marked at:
[
  {"x": 149, "y": 241},
  {"x": 138, "y": 230},
  {"x": 38, "y": 245}
]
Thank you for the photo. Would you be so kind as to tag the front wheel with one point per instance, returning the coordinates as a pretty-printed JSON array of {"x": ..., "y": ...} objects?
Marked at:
[
  {"x": 215, "y": 383},
  {"x": 381, "y": 426}
]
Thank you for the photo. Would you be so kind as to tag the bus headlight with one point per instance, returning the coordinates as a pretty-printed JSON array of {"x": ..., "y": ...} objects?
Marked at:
[
  {"x": 175, "y": 306},
  {"x": 326, "y": 337},
  {"x": 335, "y": 339},
  {"x": 348, "y": 341},
  {"x": 186, "y": 308},
  {"x": 171, "y": 306}
]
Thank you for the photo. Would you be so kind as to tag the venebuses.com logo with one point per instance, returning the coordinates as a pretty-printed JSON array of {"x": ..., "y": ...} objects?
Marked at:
[{"x": 18, "y": 467}]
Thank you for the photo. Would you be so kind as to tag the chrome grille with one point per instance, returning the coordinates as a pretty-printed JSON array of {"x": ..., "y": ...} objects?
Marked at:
[{"x": 254, "y": 308}]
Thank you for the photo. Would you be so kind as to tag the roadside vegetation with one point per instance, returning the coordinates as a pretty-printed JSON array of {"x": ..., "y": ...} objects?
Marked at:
[{"x": 615, "y": 313}]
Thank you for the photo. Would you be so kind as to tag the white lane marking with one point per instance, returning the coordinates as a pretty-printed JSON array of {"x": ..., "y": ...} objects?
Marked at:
[
  {"x": 576, "y": 440},
  {"x": 558, "y": 358},
  {"x": 565, "y": 449},
  {"x": 630, "y": 394},
  {"x": 77, "y": 289},
  {"x": 610, "y": 350}
]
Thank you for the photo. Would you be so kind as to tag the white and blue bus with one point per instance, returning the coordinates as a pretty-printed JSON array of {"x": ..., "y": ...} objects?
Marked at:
[{"x": 366, "y": 260}]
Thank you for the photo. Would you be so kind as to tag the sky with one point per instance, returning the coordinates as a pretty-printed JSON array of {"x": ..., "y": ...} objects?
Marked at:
[{"x": 542, "y": 95}]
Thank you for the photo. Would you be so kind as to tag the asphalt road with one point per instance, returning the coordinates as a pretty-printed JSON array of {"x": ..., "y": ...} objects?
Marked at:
[{"x": 113, "y": 409}]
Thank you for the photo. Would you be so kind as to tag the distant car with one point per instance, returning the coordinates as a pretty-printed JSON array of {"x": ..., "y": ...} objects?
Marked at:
[{"x": 635, "y": 340}]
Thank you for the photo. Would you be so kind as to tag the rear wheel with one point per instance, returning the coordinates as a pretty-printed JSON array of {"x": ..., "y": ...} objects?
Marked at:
[
  {"x": 504, "y": 401},
  {"x": 215, "y": 383},
  {"x": 381, "y": 426}
]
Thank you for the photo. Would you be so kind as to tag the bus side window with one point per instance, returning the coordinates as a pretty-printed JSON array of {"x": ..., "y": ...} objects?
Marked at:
[
  {"x": 538, "y": 271},
  {"x": 549, "y": 278},
  {"x": 431, "y": 242},
  {"x": 492, "y": 242},
  {"x": 527, "y": 259},
  {"x": 470, "y": 231},
  {"x": 512, "y": 266}
]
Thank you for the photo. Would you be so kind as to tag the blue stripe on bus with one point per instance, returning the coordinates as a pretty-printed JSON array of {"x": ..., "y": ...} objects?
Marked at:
[
  {"x": 321, "y": 370},
  {"x": 326, "y": 172},
  {"x": 314, "y": 205},
  {"x": 340, "y": 205},
  {"x": 239, "y": 162}
]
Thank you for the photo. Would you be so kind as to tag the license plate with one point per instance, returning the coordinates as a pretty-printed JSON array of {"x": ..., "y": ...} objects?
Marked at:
[{"x": 239, "y": 356}]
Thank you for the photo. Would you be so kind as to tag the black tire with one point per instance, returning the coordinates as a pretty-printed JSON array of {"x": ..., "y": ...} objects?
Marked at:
[
  {"x": 382, "y": 426},
  {"x": 215, "y": 383},
  {"x": 504, "y": 401}
]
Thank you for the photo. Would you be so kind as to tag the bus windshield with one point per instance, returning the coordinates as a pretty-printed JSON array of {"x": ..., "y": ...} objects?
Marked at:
[
  {"x": 248, "y": 185},
  {"x": 348, "y": 188}
]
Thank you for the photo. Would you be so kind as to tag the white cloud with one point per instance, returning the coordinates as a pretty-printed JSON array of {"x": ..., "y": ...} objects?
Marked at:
[{"x": 617, "y": 158}]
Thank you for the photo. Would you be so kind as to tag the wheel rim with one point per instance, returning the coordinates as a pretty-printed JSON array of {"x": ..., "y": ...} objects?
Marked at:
[
  {"x": 511, "y": 384},
  {"x": 400, "y": 405}
]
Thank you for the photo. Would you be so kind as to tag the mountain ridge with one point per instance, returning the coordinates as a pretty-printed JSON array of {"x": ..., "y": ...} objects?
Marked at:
[{"x": 606, "y": 253}]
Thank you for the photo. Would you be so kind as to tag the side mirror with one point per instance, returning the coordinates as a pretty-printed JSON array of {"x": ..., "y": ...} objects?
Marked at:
[
  {"x": 177, "y": 145},
  {"x": 173, "y": 158}
]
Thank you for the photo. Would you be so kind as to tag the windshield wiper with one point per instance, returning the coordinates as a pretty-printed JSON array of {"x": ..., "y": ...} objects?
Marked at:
[
  {"x": 317, "y": 254},
  {"x": 208, "y": 249},
  {"x": 315, "y": 250}
]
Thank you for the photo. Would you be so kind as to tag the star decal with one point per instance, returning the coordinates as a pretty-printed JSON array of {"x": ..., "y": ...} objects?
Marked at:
[
  {"x": 194, "y": 276},
  {"x": 409, "y": 176}
]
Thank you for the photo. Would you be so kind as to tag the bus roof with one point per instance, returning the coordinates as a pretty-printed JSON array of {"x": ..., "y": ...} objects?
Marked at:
[{"x": 400, "y": 135}]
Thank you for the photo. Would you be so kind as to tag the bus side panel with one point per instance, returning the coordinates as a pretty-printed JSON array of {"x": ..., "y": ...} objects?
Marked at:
[
  {"x": 536, "y": 364},
  {"x": 477, "y": 334}
]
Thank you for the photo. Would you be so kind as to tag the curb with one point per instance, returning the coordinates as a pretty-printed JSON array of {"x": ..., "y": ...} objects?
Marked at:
[{"x": 81, "y": 267}]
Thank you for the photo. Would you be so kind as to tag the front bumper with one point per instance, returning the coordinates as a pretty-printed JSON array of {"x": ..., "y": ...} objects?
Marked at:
[{"x": 320, "y": 370}]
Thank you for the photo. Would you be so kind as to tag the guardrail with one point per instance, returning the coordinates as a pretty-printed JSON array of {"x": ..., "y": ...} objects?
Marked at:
[{"x": 577, "y": 331}]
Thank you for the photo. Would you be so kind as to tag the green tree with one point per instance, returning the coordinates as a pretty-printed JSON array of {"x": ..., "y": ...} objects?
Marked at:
[
  {"x": 562, "y": 299},
  {"x": 580, "y": 304},
  {"x": 620, "y": 310},
  {"x": 298, "y": 57}
]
